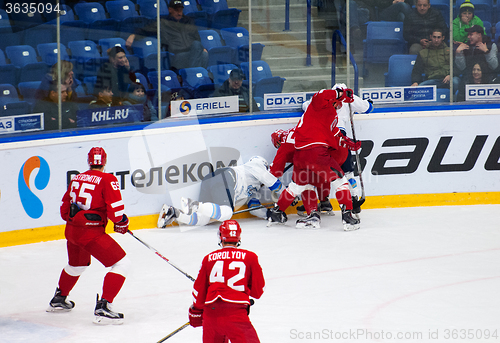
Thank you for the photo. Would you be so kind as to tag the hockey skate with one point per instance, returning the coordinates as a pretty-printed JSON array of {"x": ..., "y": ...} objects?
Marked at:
[
  {"x": 59, "y": 303},
  {"x": 324, "y": 207},
  {"x": 167, "y": 216},
  {"x": 104, "y": 315},
  {"x": 356, "y": 205},
  {"x": 312, "y": 221},
  {"x": 188, "y": 206},
  {"x": 275, "y": 215},
  {"x": 350, "y": 223}
]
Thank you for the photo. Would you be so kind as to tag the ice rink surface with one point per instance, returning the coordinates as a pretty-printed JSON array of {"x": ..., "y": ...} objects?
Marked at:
[{"x": 429, "y": 274}]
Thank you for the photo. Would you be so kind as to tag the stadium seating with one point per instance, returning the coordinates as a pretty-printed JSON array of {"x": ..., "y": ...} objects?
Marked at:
[
  {"x": 121, "y": 9},
  {"x": 33, "y": 71},
  {"x": 168, "y": 79},
  {"x": 8, "y": 93},
  {"x": 65, "y": 14},
  {"x": 48, "y": 52},
  {"x": 220, "y": 72},
  {"x": 27, "y": 91},
  {"x": 20, "y": 55},
  {"x": 217, "y": 53},
  {"x": 90, "y": 11},
  {"x": 483, "y": 9},
  {"x": 263, "y": 79},
  {"x": 107, "y": 43},
  {"x": 237, "y": 37},
  {"x": 148, "y": 8},
  {"x": 45, "y": 33},
  {"x": 220, "y": 15},
  {"x": 400, "y": 69},
  {"x": 197, "y": 79}
]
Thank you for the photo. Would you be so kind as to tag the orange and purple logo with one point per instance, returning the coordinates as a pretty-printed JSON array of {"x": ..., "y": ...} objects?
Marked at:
[{"x": 31, "y": 203}]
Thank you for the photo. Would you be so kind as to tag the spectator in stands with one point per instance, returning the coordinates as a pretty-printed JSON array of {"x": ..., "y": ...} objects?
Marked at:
[
  {"x": 478, "y": 74},
  {"x": 234, "y": 86},
  {"x": 137, "y": 96},
  {"x": 434, "y": 62},
  {"x": 179, "y": 35},
  {"x": 419, "y": 23},
  {"x": 478, "y": 48},
  {"x": 104, "y": 96},
  {"x": 50, "y": 108},
  {"x": 465, "y": 19},
  {"x": 117, "y": 74},
  {"x": 67, "y": 79}
]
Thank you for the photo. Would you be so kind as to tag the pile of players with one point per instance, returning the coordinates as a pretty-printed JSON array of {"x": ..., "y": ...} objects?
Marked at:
[{"x": 320, "y": 153}]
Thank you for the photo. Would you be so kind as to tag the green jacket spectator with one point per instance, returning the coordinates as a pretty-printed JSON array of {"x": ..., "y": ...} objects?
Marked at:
[{"x": 465, "y": 20}]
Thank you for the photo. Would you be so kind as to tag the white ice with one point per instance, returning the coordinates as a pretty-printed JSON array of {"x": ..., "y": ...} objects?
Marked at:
[{"x": 429, "y": 274}]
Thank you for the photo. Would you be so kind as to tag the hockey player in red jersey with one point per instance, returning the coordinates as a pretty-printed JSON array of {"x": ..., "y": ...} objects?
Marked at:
[
  {"x": 92, "y": 198},
  {"x": 226, "y": 280},
  {"x": 318, "y": 144}
]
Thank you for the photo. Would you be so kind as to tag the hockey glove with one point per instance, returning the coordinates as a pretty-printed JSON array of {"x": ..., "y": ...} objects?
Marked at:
[
  {"x": 348, "y": 143},
  {"x": 195, "y": 317},
  {"x": 122, "y": 225},
  {"x": 348, "y": 95}
]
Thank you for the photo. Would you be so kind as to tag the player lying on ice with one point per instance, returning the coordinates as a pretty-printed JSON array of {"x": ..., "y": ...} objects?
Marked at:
[
  {"x": 320, "y": 148},
  {"x": 222, "y": 191}
]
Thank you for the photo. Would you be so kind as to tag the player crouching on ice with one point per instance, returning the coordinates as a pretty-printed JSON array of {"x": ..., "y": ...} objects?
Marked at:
[{"x": 224, "y": 190}]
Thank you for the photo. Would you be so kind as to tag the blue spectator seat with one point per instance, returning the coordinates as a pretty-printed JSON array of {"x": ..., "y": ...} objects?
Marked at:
[
  {"x": 140, "y": 78},
  {"x": 65, "y": 14},
  {"x": 217, "y": 53},
  {"x": 221, "y": 16},
  {"x": 90, "y": 11},
  {"x": 198, "y": 80},
  {"x": 129, "y": 25},
  {"x": 48, "y": 52},
  {"x": 89, "y": 83},
  {"x": 21, "y": 21},
  {"x": 15, "y": 108},
  {"x": 487, "y": 29},
  {"x": 27, "y": 90},
  {"x": 5, "y": 20},
  {"x": 33, "y": 71},
  {"x": 45, "y": 33},
  {"x": 168, "y": 78},
  {"x": 75, "y": 30},
  {"x": 263, "y": 79},
  {"x": 148, "y": 8},
  {"x": 85, "y": 57},
  {"x": 237, "y": 37},
  {"x": 400, "y": 69},
  {"x": 121, "y": 9},
  {"x": 106, "y": 28},
  {"x": 107, "y": 43},
  {"x": 201, "y": 18},
  {"x": 383, "y": 39},
  {"x": 260, "y": 102},
  {"x": 20, "y": 55},
  {"x": 151, "y": 61},
  {"x": 10, "y": 38},
  {"x": 444, "y": 7},
  {"x": 135, "y": 62},
  {"x": 443, "y": 95},
  {"x": 8, "y": 93},
  {"x": 3, "y": 61},
  {"x": 9, "y": 73},
  {"x": 220, "y": 72},
  {"x": 146, "y": 49}
]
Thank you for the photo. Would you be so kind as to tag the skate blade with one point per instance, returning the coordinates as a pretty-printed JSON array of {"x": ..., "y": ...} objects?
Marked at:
[
  {"x": 307, "y": 226},
  {"x": 328, "y": 213},
  {"x": 100, "y": 320},
  {"x": 51, "y": 309},
  {"x": 302, "y": 214},
  {"x": 351, "y": 227}
]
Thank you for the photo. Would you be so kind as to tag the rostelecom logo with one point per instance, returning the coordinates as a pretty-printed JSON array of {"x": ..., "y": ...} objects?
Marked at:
[{"x": 32, "y": 205}]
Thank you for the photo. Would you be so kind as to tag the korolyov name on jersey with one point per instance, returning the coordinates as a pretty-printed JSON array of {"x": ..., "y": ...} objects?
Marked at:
[{"x": 438, "y": 334}]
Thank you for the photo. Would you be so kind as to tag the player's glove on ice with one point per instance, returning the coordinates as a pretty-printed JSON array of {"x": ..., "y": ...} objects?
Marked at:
[
  {"x": 195, "y": 317},
  {"x": 122, "y": 225}
]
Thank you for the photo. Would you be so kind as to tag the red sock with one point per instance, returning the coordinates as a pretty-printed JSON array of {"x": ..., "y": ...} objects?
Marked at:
[
  {"x": 344, "y": 196},
  {"x": 112, "y": 284},
  {"x": 323, "y": 191},
  {"x": 67, "y": 282},
  {"x": 285, "y": 200},
  {"x": 310, "y": 201}
]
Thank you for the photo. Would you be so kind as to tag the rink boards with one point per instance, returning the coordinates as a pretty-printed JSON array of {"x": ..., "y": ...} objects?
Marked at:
[{"x": 412, "y": 157}]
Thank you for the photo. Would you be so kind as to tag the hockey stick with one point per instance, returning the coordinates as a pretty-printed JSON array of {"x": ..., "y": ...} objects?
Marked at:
[
  {"x": 254, "y": 208},
  {"x": 174, "y": 332},
  {"x": 358, "y": 163},
  {"x": 163, "y": 257}
]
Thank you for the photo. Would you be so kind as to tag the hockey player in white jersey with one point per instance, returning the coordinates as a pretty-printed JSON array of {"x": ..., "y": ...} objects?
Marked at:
[{"x": 222, "y": 191}]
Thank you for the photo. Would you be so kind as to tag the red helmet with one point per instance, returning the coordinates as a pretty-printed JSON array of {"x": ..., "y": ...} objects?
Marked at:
[
  {"x": 97, "y": 157},
  {"x": 230, "y": 232},
  {"x": 276, "y": 138}
]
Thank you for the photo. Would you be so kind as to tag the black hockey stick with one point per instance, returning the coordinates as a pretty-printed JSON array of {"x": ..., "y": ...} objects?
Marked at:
[
  {"x": 174, "y": 332},
  {"x": 254, "y": 208},
  {"x": 163, "y": 257},
  {"x": 358, "y": 163}
]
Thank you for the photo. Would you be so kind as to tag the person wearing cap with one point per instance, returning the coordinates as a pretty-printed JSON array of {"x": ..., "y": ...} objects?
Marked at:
[
  {"x": 419, "y": 23},
  {"x": 137, "y": 96},
  {"x": 179, "y": 36},
  {"x": 464, "y": 20},
  {"x": 234, "y": 86},
  {"x": 478, "y": 48},
  {"x": 434, "y": 63},
  {"x": 116, "y": 73}
]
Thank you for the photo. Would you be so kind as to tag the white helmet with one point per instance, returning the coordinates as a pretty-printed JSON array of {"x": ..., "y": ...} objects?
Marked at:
[
  {"x": 260, "y": 161},
  {"x": 339, "y": 85}
]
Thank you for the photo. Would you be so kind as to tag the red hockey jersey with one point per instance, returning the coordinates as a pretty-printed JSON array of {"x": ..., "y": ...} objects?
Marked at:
[
  {"x": 284, "y": 154},
  {"x": 318, "y": 124},
  {"x": 230, "y": 274},
  {"x": 97, "y": 191}
]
